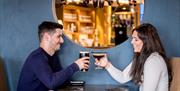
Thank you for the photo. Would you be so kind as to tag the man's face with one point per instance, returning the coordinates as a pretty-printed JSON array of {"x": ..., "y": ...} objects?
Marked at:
[{"x": 55, "y": 39}]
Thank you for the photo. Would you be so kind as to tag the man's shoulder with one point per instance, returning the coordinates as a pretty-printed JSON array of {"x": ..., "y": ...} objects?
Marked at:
[{"x": 36, "y": 54}]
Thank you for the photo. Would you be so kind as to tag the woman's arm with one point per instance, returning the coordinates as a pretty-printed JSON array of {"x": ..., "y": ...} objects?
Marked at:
[{"x": 118, "y": 75}]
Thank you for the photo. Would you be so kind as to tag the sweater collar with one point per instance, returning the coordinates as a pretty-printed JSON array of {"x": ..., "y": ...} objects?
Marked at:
[{"x": 45, "y": 52}]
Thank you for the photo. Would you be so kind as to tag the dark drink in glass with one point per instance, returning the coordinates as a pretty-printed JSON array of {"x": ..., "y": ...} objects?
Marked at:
[
  {"x": 84, "y": 54},
  {"x": 98, "y": 56}
]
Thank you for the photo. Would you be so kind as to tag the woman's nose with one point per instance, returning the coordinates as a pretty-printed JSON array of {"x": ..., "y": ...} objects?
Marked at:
[{"x": 132, "y": 41}]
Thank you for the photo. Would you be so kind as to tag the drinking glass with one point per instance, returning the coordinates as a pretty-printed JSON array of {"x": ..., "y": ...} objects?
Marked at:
[
  {"x": 84, "y": 54},
  {"x": 98, "y": 56}
]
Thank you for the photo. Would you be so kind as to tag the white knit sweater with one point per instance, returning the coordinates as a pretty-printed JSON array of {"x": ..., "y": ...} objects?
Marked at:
[{"x": 155, "y": 76}]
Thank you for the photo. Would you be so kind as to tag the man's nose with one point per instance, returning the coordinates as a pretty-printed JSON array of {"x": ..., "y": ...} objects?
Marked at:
[{"x": 61, "y": 40}]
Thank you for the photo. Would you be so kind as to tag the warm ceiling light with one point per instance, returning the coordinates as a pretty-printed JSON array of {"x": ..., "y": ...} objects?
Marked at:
[
  {"x": 101, "y": 3},
  {"x": 132, "y": 9},
  {"x": 77, "y": 1},
  {"x": 69, "y": 1},
  {"x": 124, "y": 8},
  {"x": 123, "y": 1}
]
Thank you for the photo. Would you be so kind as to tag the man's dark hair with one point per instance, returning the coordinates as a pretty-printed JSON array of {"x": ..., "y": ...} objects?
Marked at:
[{"x": 47, "y": 26}]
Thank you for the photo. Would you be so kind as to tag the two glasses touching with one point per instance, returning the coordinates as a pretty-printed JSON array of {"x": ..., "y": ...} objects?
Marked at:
[{"x": 99, "y": 57}]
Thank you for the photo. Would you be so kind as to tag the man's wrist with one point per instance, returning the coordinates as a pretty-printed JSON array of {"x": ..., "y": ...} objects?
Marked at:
[{"x": 77, "y": 66}]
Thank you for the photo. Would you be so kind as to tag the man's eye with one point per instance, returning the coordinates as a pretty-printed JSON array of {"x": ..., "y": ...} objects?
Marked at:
[{"x": 59, "y": 36}]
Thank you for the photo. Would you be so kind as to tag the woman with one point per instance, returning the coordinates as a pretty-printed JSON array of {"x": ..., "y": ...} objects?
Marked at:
[{"x": 148, "y": 68}]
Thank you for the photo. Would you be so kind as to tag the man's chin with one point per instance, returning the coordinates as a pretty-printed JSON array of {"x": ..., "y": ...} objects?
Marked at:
[{"x": 58, "y": 48}]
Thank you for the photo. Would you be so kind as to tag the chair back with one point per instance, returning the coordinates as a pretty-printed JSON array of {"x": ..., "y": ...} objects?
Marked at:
[
  {"x": 3, "y": 80},
  {"x": 175, "y": 69}
]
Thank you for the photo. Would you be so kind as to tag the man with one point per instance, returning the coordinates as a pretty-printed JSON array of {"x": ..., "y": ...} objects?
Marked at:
[{"x": 41, "y": 71}]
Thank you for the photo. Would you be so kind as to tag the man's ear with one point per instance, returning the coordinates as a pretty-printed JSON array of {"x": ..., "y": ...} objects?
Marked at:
[{"x": 46, "y": 36}]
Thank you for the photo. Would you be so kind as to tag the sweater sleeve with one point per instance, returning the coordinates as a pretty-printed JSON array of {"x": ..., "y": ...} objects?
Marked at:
[
  {"x": 118, "y": 75},
  {"x": 52, "y": 80}
]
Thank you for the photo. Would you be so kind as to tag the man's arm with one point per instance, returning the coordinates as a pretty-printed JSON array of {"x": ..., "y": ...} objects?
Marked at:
[{"x": 52, "y": 80}]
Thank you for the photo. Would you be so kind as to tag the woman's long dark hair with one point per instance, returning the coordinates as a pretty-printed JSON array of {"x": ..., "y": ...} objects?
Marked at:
[{"x": 151, "y": 43}]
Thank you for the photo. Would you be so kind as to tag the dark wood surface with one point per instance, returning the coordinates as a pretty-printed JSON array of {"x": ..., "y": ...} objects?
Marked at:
[{"x": 96, "y": 88}]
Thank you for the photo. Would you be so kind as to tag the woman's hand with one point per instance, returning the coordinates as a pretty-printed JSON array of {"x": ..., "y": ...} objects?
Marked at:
[{"x": 102, "y": 62}]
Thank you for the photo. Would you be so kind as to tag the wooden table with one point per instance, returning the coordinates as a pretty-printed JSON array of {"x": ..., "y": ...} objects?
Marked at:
[{"x": 96, "y": 88}]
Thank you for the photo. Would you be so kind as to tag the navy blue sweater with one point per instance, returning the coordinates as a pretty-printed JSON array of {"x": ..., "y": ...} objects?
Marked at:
[{"x": 42, "y": 72}]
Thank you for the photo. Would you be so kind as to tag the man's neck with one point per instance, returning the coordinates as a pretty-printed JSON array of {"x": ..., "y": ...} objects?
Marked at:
[{"x": 47, "y": 49}]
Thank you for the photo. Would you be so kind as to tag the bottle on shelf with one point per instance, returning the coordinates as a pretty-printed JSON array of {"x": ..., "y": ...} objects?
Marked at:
[
  {"x": 96, "y": 39},
  {"x": 72, "y": 27}
]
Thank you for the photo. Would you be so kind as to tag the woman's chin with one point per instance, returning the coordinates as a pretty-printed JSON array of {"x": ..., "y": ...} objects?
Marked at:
[{"x": 136, "y": 51}]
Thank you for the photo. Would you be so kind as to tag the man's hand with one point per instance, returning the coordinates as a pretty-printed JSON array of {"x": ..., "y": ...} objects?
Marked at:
[{"x": 83, "y": 63}]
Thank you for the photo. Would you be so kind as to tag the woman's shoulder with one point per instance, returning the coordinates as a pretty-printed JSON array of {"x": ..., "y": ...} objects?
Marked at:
[
  {"x": 155, "y": 56},
  {"x": 155, "y": 59}
]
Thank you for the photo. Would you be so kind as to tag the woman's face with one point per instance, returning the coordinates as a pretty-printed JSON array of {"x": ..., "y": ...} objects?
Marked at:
[{"x": 136, "y": 42}]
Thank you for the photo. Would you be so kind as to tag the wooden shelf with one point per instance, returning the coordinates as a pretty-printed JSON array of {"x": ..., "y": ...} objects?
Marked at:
[
  {"x": 93, "y": 23},
  {"x": 82, "y": 18},
  {"x": 70, "y": 21},
  {"x": 86, "y": 22}
]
